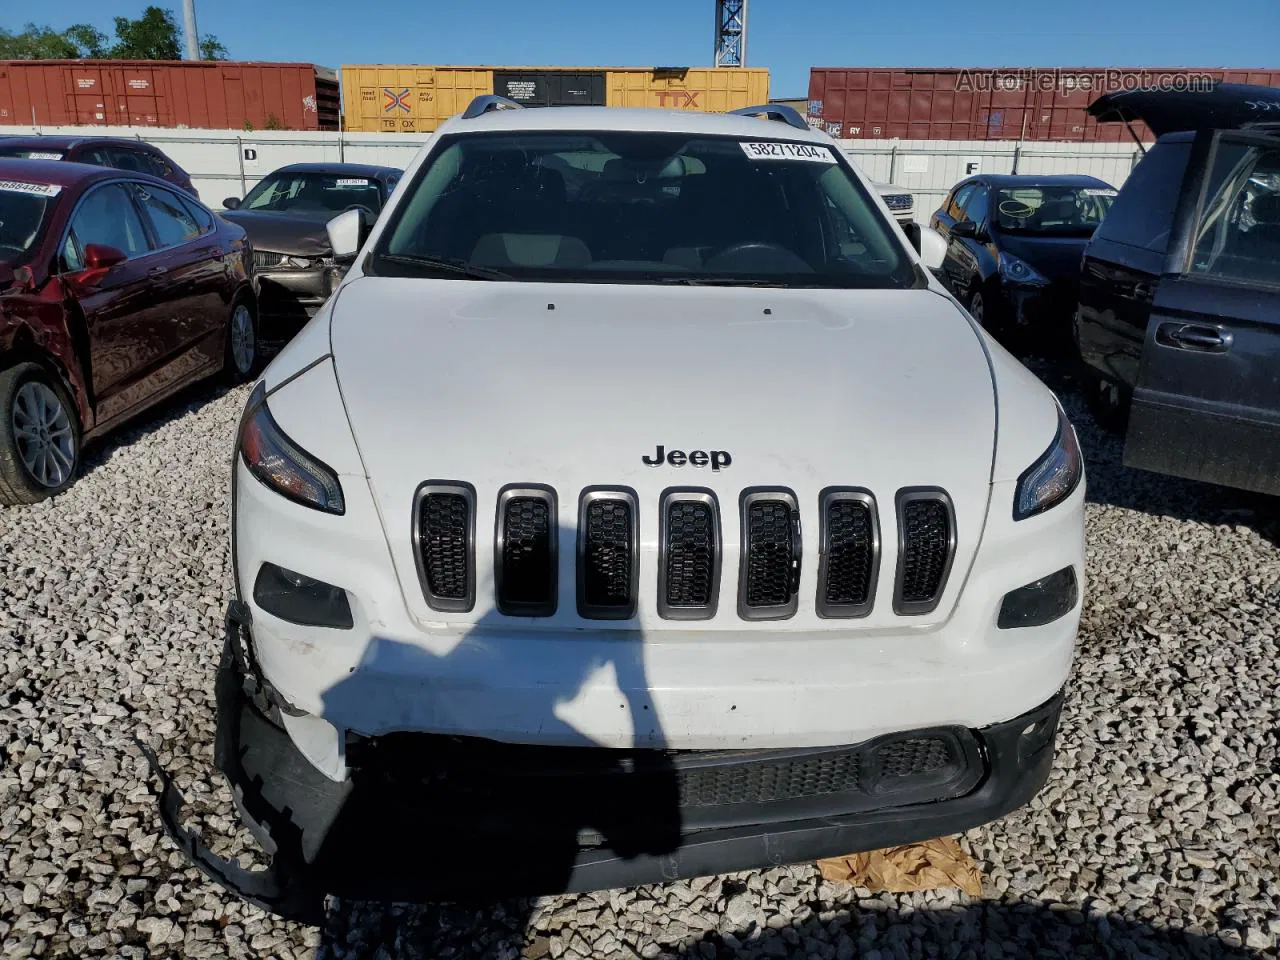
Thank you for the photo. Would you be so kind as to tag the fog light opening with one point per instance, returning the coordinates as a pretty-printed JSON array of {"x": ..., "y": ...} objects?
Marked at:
[
  {"x": 1040, "y": 602},
  {"x": 300, "y": 599}
]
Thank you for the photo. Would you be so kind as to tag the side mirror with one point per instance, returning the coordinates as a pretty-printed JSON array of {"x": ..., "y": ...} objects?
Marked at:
[
  {"x": 932, "y": 249},
  {"x": 346, "y": 233},
  {"x": 965, "y": 228},
  {"x": 99, "y": 259},
  {"x": 231, "y": 203}
]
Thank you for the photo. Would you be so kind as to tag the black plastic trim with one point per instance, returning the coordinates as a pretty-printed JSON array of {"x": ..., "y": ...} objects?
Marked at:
[
  {"x": 781, "y": 611},
  {"x": 826, "y": 609},
  {"x": 458, "y": 488},
  {"x": 546, "y": 608},
  {"x": 678, "y": 495},
  {"x": 597, "y": 611},
  {"x": 915, "y": 608}
]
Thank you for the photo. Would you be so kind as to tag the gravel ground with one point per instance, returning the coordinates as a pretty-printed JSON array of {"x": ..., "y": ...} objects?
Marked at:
[{"x": 1157, "y": 835}]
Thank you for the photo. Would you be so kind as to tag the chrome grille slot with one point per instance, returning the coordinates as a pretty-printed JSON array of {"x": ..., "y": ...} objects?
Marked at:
[
  {"x": 689, "y": 555},
  {"x": 525, "y": 552},
  {"x": 769, "y": 569},
  {"x": 444, "y": 544},
  {"x": 608, "y": 554},
  {"x": 926, "y": 547},
  {"x": 849, "y": 553}
]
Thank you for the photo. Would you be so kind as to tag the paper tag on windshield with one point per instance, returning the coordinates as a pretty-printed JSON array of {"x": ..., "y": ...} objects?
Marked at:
[
  {"x": 43, "y": 155},
  {"x": 35, "y": 189},
  {"x": 1098, "y": 192},
  {"x": 788, "y": 151},
  {"x": 352, "y": 182}
]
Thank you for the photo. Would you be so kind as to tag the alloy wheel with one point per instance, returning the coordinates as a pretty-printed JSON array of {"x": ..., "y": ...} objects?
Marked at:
[
  {"x": 42, "y": 428},
  {"x": 244, "y": 346}
]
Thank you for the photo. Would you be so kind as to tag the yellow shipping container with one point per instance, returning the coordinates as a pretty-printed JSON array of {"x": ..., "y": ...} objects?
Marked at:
[
  {"x": 417, "y": 99},
  {"x": 713, "y": 90},
  {"x": 408, "y": 99}
]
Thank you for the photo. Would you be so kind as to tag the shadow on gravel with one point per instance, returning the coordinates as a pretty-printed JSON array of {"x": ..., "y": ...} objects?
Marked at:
[
  {"x": 982, "y": 930},
  {"x": 1114, "y": 484},
  {"x": 187, "y": 400}
]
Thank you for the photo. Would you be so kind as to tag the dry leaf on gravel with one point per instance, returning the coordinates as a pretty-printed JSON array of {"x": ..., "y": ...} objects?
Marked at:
[{"x": 932, "y": 865}]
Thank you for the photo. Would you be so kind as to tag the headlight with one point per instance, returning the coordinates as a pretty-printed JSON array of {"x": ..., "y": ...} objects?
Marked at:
[
  {"x": 1053, "y": 477},
  {"x": 1013, "y": 270},
  {"x": 281, "y": 464}
]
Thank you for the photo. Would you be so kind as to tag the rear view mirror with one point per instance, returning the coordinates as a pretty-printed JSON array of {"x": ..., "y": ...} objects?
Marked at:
[
  {"x": 231, "y": 203},
  {"x": 932, "y": 248},
  {"x": 346, "y": 233}
]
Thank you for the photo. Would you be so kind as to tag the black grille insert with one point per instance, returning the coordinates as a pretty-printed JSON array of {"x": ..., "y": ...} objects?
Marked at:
[
  {"x": 927, "y": 538},
  {"x": 525, "y": 578},
  {"x": 689, "y": 555},
  {"x": 608, "y": 547},
  {"x": 850, "y": 553},
  {"x": 444, "y": 540},
  {"x": 770, "y": 564}
]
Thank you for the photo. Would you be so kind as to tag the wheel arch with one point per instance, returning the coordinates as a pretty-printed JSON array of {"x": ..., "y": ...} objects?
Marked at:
[{"x": 25, "y": 346}]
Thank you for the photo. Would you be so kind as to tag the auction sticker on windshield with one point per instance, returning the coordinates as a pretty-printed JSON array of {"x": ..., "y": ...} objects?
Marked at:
[
  {"x": 352, "y": 182},
  {"x": 788, "y": 151},
  {"x": 1099, "y": 192},
  {"x": 35, "y": 189}
]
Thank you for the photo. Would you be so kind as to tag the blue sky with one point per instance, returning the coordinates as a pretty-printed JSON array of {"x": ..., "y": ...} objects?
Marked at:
[{"x": 788, "y": 36}]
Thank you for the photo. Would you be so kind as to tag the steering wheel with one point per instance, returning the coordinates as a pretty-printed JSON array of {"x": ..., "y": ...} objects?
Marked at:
[{"x": 757, "y": 255}]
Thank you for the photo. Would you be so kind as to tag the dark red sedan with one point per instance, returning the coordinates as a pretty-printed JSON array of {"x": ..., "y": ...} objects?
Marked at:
[
  {"x": 116, "y": 290},
  {"x": 132, "y": 156}
]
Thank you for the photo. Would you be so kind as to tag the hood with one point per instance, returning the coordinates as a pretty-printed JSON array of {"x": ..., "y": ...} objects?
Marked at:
[
  {"x": 1057, "y": 258},
  {"x": 299, "y": 234},
  {"x": 1228, "y": 106},
  {"x": 574, "y": 385}
]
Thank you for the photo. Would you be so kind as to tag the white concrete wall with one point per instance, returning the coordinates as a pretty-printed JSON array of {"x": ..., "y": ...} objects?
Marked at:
[{"x": 929, "y": 168}]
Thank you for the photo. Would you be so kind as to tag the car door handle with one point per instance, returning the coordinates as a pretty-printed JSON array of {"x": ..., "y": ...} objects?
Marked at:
[{"x": 1191, "y": 336}]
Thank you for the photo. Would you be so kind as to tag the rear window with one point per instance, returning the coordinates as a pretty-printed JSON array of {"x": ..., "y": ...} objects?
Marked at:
[
  {"x": 640, "y": 207},
  {"x": 1142, "y": 215},
  {"x": 31, "y": 153}
]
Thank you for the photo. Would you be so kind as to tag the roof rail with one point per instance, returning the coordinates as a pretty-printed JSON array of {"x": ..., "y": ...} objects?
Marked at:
[
  {"x": 779, "y": 112},
  {"x": 488, "y": 103}
]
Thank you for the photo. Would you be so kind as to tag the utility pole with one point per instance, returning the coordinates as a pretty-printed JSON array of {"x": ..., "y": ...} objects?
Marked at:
[
  {"x": 189, "y": 27},
  {"x": 731, "y": 33}
]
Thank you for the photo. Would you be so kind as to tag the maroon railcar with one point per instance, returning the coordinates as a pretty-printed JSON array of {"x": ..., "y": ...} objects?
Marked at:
[
  {"x": 214, "y": 95},
  {"x": 1000, "y": 103}
]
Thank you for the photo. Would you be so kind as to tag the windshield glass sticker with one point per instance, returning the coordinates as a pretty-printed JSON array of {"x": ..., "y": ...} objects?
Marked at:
[
  {"x": 1099, "y": 192},
  {"x": 35, "y": 189},
  {"x": 43, "y": 155},
  {"x": 352, "y": 182},
  {"x": 788, "y": 151}
]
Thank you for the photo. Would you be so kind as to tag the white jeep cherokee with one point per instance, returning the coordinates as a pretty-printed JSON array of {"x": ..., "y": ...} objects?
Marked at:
[{"x": 639, "y": 500}]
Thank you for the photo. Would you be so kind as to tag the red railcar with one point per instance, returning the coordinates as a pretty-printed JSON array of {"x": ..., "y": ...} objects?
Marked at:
[
  {"x": 1003, "y": 103},
  {"x": 205, "y": 94}
]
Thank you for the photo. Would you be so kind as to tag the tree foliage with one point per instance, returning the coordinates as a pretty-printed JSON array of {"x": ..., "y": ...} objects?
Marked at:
[{"x": 153, "y": 36}]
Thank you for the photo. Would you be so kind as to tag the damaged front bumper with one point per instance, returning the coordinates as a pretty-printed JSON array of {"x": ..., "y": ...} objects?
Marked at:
[{"x": 425, "y": 818}]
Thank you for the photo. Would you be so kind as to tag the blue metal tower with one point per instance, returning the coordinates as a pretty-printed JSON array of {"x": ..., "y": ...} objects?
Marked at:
[{"x": 731, "y": 33}]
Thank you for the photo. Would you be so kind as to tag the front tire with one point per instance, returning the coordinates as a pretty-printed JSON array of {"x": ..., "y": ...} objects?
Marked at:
[
  {"x": 243, "y": 347},
  {"x": 39, "y": 435}
]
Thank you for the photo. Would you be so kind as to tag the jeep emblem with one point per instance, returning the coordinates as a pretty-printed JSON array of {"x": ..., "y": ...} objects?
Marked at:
[{"x": 717, "y": 459}]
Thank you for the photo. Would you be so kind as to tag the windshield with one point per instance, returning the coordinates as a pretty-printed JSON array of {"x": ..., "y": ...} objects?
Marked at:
[
  {"x": 24, "y": 210},
  {"x": 1054, "y": 210},
  {"x": 325, "y": 193},
  {"x": 640, "y": 208},
  {"x": 30, "y": 153}
]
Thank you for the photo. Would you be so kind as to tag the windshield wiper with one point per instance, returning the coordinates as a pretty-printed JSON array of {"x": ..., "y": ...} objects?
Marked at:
[
  {"x": 459, "y": 267},
  {"x": 723, "y": 282}
]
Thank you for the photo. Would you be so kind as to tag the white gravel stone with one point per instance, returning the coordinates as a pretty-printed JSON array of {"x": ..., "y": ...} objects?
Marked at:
[{"x": 1155, "y": 835}]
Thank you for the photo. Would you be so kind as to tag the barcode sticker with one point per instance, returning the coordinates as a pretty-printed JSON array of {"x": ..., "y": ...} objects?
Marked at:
[
  {"x": 34, "y": 189},
  {"x": 788, "y": 151}
]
